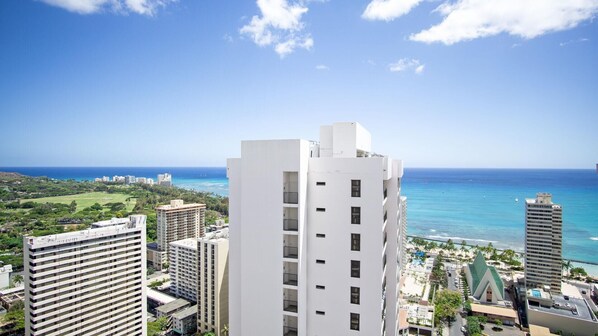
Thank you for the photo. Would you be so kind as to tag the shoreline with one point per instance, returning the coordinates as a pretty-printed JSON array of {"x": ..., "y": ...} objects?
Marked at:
[{"x": 591, "y": 267}]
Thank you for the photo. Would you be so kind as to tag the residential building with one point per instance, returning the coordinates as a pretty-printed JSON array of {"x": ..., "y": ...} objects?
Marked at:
[
  {"x": 484, "y": 282},
  {"x": 129, "y": 179},
  {"x": 89, "y": 282},
  {"x": 165, "y": 179},
  {"x": 149, "y": 181},
  {"x": 172, "y": 307},
  {"x": 314, "y": 236},
  {"x": 183, "y": 268},
  {"x": 184, "y": 322},
  {"x": 561, "y": 314},
  {"x": 543, "y": 243},
  {"x": 141, "y": 180},
  {"x": 212, "y": 282},
  {"x": 105, "y": 178},
  {"x": 156, "y": 299},
  {"x": 177, "y": 221},
  {"x": 5, "y": 276},
  {"x": 156, "y": 258}
]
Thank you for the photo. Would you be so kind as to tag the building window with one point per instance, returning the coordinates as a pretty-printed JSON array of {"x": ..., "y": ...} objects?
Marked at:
[
  {"x": 320, "y": 235},
  {"x": 320, "y": 209},
  {"x": 355, "y": 188},
  {"x": 355, "y": 268},
  {"x": 354, "y": 321},
  {"x": 320, "y": 183},
  {"x": 355, "y": 215},
  {"x": 320, "y": 287},
  {"x": 355, "y": 242},
  {"x": 319, "y": 312},
  {"x": 320, "y": 261},
  {"x": 355, "y": 295}
]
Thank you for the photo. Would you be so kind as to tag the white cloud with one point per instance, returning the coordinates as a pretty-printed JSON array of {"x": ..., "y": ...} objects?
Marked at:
[
  {"x": 279, "y": 25},
  {"x": 407, "y": 64},
  {"x": 143, "y": 7},
  {"x": 388, "y": 10},
  {"x": 470, "y": 19},
  {"x": 322, "y": 67},
  {"x": 228, "y": 38},
  {"x": 579, "y": 40}
]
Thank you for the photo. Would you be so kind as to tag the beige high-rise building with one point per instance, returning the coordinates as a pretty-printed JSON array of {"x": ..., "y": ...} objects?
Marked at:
[
  {"x": 177, "y": 221},
  {"x": 90, "y": 282},
  {"x": 543, "y": 243},
  {"x": 212, "y": 282}
]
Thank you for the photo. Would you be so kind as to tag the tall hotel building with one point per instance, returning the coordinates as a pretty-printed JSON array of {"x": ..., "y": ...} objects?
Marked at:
[
  {"x": 543, "y": 243},
  {"x": 89, "y": 282},
  {"x": 212, "y": 282},
  {"x": 182, "y": 269},
  {"x": 314, "y": 236},
  {"x": 178, "y": 220}
]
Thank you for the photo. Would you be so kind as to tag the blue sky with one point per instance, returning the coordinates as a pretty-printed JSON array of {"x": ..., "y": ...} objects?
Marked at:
[{"x": 465, "y": 83}]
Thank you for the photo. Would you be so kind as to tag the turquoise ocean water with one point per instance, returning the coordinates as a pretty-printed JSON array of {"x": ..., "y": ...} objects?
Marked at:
[{"x": 476, "y": 205}]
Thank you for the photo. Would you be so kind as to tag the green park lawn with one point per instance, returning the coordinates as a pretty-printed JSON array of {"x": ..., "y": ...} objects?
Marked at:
[{"x": 88, "y": 199}]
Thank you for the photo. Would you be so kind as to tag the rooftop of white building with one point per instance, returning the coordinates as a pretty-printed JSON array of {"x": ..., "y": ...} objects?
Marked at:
[{"x": 179, "y": 204}]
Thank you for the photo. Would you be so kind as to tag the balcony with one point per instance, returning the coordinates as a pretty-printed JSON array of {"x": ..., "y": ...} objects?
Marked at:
[
  {"x": 289, "y": 331},
  {"x": 290, "y": 225},
  {"x": 290, "y": 197},
  {"x": 289, "y": 279},
  {"x": 290, "y": 306},
  {"x": 290, "y": 252}
]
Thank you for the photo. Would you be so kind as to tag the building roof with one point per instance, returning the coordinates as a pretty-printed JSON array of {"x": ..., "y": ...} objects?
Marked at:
[
  {"x": 565, "y": 306},
  {"x": 536, "y": 330},
  {"x": 182, "y": 314},
  {"x": 190, "y": 243},
  {"x": 479, "y": 268},
  {"x": 493, "y": 310},
  {"x": 174, "y": 205},
  {"x": 173, "y": 306},
  {"x": 154, "y": 295}
]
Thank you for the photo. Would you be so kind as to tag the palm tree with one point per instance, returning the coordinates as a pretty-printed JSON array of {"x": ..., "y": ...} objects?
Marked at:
[
  {"x": 224, "y": 330},
  {"x": 567, "y": 266}
]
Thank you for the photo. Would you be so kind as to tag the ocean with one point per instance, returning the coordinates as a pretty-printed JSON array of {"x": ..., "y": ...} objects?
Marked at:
[{"x": 475, "y": 205}]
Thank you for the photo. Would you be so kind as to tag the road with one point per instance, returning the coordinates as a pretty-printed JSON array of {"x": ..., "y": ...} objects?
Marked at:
[{"x": 452, "y": 273}]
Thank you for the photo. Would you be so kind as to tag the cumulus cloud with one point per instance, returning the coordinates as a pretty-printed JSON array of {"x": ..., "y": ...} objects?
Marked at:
[
  {"x": 322, "y": 67},
  {"x": 407, "y": 64},
  {"x": 280, "y": 26},
  {"x": 466, "y": 20},
  {"x": 142, "y": 7},
  {"x": 388, "y": 10}
]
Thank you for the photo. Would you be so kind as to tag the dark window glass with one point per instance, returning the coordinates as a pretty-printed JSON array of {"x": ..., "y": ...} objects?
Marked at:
[
  {"x": 319, "y": 312},
  {"x": 320, "y": 209},
  {"x": 355, "y": 295},
  {"x": 321, "y": 183},
  {"x": 355, "y": 268},
  {"x": 355, "y": 242},
  {"x": 354, "y": 321},
  {"x": 320, "y": 287},
  {"x": 320, "y": 235},
  {"x": 355, "y": 188},
  {"x": 320, "y": 261},
  {"x": 355, "y": 215}
]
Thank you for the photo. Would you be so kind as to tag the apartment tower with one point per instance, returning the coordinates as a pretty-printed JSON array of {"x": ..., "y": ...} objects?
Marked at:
[
  {"x": 314, "y": 236},
  {"x": 212, "y": 282},
  {"x": 177, "y": 221},
  {"x": 89, "y": 282},
  {"x": 182, "y": 271},
  {"x": 403, "y": 256},
  {"x": 543, "y": 243}
]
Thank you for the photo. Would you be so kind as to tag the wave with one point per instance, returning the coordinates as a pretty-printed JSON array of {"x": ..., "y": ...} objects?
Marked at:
[
  {"x": 458, "y": 239},
  {"x": 432, "y": 230},
  {"x": 594, "y": 238}
]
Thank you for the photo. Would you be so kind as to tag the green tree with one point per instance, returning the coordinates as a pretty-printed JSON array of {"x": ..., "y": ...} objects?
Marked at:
[
  {"x": 578, "y": 271},
  {"x": 97, "y": 207},
  {"x": 446, "y": 305},
  {"x": 17, "y": 279},
  {"x": 157, "y": 327},
  {"x": 73, "y": 207},
  {"x": 567, "y": 266},
  {"x": 473, "y": 326}
]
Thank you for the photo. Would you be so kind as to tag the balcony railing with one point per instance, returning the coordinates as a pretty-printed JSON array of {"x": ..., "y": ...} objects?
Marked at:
[
  {"x": 290, "y": 306},
  {"x": 290, "y": 224},
  {"x": 289, "y": 331},
  {"x": 289, "y": 279},
  {"x": 290, "y": 197},
  {"x": 291, "y": 252}
]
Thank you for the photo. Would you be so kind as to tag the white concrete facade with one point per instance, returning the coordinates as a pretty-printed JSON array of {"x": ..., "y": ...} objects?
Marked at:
[
  {"x": 212, "y": 283},
  {"x": 89, "y": 282},
  {"x": 314, "y": 234},
  {"x": 543, "y": 243},
  {"x": 182, "y": 269},
  {"x": 5, "y": 276}
]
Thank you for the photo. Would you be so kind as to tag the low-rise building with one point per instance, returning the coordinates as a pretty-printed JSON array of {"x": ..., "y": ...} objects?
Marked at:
[
  {"x": 184, "y": 322},
  {"x": 5, "y": 276},
  {"x": 560, "y": 313},
  {"x": 172, "y": 307},
  {"x": 507, "y": 315},
  {"x": 156, "y": 299},
  {"x": 10, "y": 296},
  {"x": 484, "y": 282}
]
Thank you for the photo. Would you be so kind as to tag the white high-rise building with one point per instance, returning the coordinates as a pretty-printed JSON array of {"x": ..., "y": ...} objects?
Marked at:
[
  {"x": 403, "y": 256},
  {"x": 177, "y": 221},
  {"x": 314, "y": 246},
  {"x": 165, "y": 179},
  {"x": 212, "y": 282},
  {"x": 182, "y": 268},
  {"x": 543, "y": 243},
  {"x": 89, "y": 282}
]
